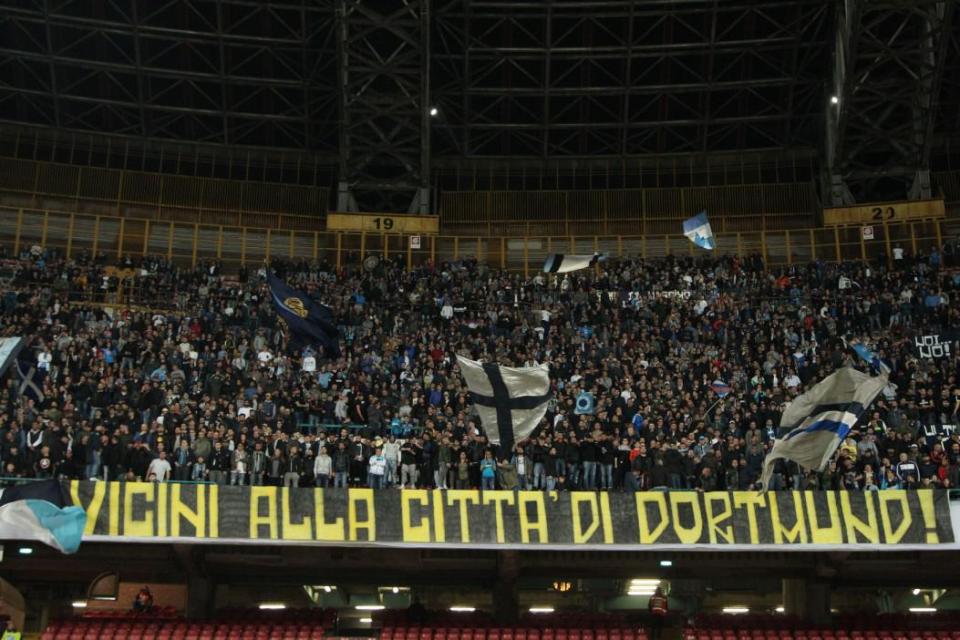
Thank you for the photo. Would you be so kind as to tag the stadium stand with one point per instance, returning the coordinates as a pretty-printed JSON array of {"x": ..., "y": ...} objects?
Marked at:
[
  {"x": 643, "y": 338},
  {"x": 294, "y": 624},
  {"x": 176, "y": 465}
]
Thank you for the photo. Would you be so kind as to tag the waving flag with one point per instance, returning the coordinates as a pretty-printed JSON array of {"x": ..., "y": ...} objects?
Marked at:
[
  {"x": 310, "y": 324},
  {"x": 9, "y": 349},
  {"x": 721, "y": 388},
  {"x": 698, "y": 230},
  {"x": 820, "y": 419},
  {"x": 37, "y": 511},
  {"x": 869, "y": 357},
  {"x": 511, "y": 401},
  {"x": 565, "y": 262},
  {"x": 31, "y": 378}
]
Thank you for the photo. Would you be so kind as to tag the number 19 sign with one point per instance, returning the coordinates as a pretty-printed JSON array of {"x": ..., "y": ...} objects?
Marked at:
[{"x": 383, "y": 223}]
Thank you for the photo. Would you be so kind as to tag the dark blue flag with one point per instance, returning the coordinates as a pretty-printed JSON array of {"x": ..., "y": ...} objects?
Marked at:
[
  {"x": 310, "y": 324},
  {"x": 30, "y": 383}
]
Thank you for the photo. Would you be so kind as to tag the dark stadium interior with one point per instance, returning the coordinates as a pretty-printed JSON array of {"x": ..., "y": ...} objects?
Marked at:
[{"x": 407, "y": 166}]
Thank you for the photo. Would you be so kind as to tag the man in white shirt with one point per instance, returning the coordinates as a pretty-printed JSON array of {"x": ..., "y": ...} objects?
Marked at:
[
  {"x": 377, "y": 469},
  {"x": 792, "y": 381},
  {"x": 159, "y": 468}
]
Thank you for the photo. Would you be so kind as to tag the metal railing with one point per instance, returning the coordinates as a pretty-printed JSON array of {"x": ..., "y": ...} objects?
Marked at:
[
  {"x": 162, "y": 196},
  {"x": 73, "y": 233},
  {"x": 641, "y": 211}
]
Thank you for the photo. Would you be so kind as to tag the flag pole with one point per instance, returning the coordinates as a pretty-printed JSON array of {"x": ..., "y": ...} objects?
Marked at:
[{"x": 710, "y": 408}]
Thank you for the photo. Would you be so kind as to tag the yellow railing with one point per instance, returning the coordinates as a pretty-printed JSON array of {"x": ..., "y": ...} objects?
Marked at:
[
  {"x": 189, "y": 243},
  {"x": 161, "y": 197},
  {"x": 657, "y": 210}
]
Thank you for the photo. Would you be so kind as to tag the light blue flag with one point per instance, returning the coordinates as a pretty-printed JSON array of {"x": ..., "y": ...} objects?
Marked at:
[
  {"x": 40, "y": 511},
  {"x": 698, "y": 230},
  {"x": 869, "y": 357}
]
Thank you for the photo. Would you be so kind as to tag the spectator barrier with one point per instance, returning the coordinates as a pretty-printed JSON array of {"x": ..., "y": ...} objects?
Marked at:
[{"x": 190, "y": 243}]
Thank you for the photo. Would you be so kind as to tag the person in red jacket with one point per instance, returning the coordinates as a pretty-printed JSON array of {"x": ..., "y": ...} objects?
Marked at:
[{"x": 658, "y": 608}]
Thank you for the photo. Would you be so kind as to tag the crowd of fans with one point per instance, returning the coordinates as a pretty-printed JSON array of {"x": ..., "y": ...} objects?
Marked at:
[{"x": 208, "y": 390}]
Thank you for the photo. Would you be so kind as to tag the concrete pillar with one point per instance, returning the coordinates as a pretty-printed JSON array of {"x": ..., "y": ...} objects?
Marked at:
[
  {"x": 13, "y": 605},
  {"x": 200, "y": 591},
  {"x": 506, "y": 598},
  {"x": 806, "y": 599}
]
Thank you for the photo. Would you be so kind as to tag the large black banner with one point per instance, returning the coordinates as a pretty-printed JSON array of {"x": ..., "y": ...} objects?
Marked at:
[
  {"x": 159, "y": 512},
  {"x": 934, "y": 346}
]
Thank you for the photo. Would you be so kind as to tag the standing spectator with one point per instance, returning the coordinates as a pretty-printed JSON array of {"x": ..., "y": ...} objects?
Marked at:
[
  {"x": 377, "y": 469},
  {"x": 159, "y": 468},
  {"x": 488, "y": 471},
  {"x": 323, "y": 468},
  {"x": 239, "y": 465},
  {"x": 292, "y": 468}
]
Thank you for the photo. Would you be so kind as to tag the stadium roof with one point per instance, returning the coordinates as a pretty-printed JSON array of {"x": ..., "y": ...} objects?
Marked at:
[{"x": 356, "y": 81}]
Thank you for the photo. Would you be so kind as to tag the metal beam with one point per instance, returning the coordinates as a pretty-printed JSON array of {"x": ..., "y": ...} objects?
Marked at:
[
  {"x": 889, "y": 60},
  {"x": 384, "y": 69}
]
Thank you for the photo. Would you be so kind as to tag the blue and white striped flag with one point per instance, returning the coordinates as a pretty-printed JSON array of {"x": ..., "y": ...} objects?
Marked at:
[
  {"x": 819, "y": 420},
  {"x": 698, "y": 230}
]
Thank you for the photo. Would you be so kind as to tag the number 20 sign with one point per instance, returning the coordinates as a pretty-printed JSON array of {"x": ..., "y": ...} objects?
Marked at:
[{"x": 884, "y": 212}]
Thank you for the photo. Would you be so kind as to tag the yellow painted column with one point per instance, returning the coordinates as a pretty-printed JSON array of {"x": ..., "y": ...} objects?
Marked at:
[
  {"x": 196, "y": 242},
  {"x": 96, "y": 235},
  {"x": 123, "y": 226},
  {"x": 16, "y": 238},
  {"x": 339, "y": 249},
  {"x": 886, "y": 242},
  {"x": 43, "y": 233},
  {"x": 73, "y": 218},
  {"x": 526, "y": 258},
  {"x": 836, "y": 242}
]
